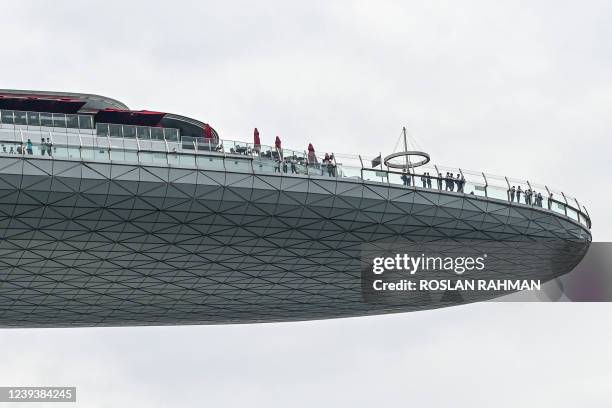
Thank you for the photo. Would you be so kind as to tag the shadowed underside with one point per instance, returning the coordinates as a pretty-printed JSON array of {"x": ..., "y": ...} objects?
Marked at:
[{"x": 85, "y": 244}]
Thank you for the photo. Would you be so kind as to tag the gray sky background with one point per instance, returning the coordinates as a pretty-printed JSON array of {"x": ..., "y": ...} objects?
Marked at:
[{"x": 510, "y": 87}]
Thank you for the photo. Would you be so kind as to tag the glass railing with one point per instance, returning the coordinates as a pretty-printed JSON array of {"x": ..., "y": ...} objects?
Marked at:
[
  {"x": 137, "y": 132},
  {"x": 229, "y": 155},
  {"x": 26, "y": 119}
]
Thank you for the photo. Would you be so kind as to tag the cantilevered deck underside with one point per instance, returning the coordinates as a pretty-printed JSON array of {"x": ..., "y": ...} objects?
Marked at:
[{"x": 84, "y": 244}]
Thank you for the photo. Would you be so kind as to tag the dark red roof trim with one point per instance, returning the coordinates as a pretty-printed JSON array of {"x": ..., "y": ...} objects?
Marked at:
[
  {"x": 40, "y": 104},
  {"x": 138, "y": 118}
]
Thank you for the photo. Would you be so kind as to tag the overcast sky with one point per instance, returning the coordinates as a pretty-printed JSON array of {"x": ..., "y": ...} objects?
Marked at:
[{"x": 518, "y": 88}]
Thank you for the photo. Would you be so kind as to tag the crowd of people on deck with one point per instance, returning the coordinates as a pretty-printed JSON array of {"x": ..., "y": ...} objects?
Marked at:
[
  {"x": 289, "y": 163},
  {"x": 453, "y": 182},
  {"x": 529, "y": 196},
  {"x": 450, "y": 181},
  {"x": 45, "y": 148}
]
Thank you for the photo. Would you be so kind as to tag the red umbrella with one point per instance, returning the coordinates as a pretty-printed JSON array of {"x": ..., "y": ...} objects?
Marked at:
[
  {"x": 277, "y": 142},
  {"x": 256, "y": 139},
  {"x": 311, "y": 154},
  {"x": 207, "y": 132}
]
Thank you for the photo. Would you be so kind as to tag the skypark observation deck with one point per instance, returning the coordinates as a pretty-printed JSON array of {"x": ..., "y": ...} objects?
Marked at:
[
  {"x": 75, "y": 137},
  {"x": 107, "y": 223}
]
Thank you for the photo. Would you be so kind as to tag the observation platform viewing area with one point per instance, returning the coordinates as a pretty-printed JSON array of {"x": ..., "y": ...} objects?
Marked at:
[{"x": 76, "y": 137}]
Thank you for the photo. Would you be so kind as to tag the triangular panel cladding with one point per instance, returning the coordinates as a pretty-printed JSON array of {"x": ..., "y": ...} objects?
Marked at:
[{"x": 100, "y": 244}]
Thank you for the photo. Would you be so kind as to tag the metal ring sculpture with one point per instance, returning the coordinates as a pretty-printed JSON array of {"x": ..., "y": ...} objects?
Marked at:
[{"x": 424, "y": 159}]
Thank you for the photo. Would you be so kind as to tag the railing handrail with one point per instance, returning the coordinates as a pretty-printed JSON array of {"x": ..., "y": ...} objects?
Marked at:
[{"x": 228, "y": 150}]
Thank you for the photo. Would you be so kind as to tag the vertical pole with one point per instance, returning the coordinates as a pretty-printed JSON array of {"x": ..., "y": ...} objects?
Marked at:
[
  {"x": 438, "y": 179},
  {"x": 110, "y": 146},
  {"x": 53, "y": 141},
  {"x": 486, "y": 185},
  {"x": 335, "y": 169},
  {"x": 508, "y": 183},
  {"x": 20, "y": 136},
  {"x": 405, "y": 146},
  {"x": 81, "y": 147},
  {"x": 361, "y": 169},
  {"x": 549, "y": 197},
  {"x": 588, "y": 217},
  {"x": 195, "y": 151},
  {"x": 577, "y": 208},
  {"x": 165, "y": 144},
  {"x": 387, "y": 175}
]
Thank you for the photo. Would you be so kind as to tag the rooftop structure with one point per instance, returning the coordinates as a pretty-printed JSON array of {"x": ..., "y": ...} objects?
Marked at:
[{"x": 118, "y": 217}]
